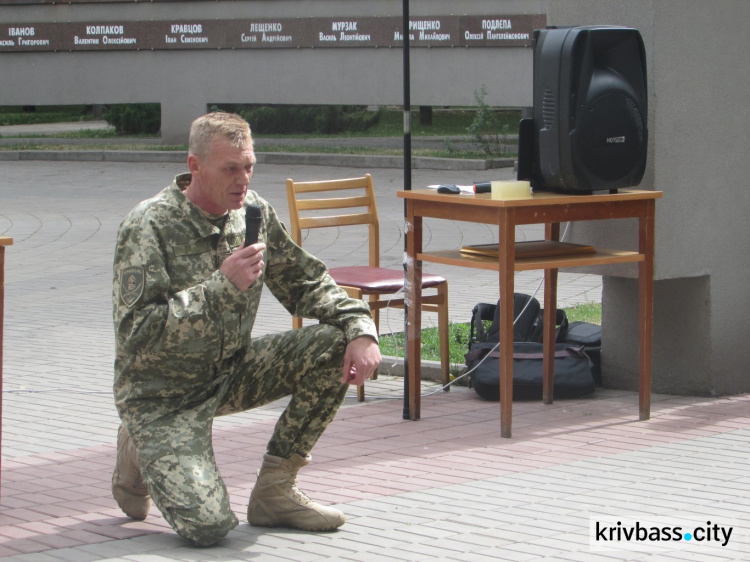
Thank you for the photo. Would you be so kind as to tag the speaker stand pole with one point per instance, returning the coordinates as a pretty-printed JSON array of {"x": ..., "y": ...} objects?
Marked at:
[{"x": 407, "y": 186}]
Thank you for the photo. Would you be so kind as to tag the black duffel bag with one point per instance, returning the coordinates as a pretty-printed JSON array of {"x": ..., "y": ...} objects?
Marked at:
[{"x": 573, "y": 378}]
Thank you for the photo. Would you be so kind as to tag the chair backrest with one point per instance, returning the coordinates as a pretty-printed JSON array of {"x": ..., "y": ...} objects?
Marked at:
[{"x": 308, "y": 212}]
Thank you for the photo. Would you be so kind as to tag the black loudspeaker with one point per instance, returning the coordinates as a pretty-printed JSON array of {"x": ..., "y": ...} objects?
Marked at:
[{"x": 589, "y": 127}]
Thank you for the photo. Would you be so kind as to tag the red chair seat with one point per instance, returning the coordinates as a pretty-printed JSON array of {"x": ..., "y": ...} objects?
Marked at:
[{"x": 377, "y": 279}]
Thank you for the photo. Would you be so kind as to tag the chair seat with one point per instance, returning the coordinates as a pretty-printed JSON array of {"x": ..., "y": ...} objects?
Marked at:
[{"x": 378, "y": 279}]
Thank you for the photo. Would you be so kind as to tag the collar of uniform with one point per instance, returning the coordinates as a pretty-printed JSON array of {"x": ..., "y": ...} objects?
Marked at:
[{"x": 200, "y": 221}]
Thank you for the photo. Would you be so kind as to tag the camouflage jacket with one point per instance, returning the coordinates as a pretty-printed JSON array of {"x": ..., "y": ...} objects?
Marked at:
[{"x": 177, "y": 315}]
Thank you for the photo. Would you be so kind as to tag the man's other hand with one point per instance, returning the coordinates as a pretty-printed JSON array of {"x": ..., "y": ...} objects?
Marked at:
[{"x": 361, "y": 359}]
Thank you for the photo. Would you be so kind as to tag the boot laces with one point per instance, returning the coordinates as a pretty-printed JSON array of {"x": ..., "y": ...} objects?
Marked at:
[{"x": 298, "y": 495}]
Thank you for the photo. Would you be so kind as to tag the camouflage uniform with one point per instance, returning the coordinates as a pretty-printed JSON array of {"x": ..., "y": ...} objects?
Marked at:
[{"x": 184, "y": 352}]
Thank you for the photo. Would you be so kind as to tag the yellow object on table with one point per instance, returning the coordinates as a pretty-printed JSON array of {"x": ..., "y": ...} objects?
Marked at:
[{"x": 511, "y": 190}]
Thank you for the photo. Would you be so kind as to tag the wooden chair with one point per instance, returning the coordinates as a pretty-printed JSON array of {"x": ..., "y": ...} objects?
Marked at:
[{"x": 360, "y": 280}]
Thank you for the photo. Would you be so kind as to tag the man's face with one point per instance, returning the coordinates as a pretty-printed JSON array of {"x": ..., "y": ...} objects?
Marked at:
[{"x": 221, "y": 178}]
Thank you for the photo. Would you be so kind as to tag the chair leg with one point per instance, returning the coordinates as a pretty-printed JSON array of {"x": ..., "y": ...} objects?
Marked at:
[
  {"x": 375, "y": 318},
  {"x": 296, "y": 323},
  {"x": 443, "y": 333},
  {"x": 361, "y": 393},
  {"x": 375, "y": 312}
]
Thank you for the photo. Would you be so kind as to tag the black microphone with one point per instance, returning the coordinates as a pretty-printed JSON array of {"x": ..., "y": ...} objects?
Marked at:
[{"x": 253, "y": 218}]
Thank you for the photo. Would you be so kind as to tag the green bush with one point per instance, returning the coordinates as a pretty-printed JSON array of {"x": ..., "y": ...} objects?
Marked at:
[
  {"x": 31, "y": 114},
  {"x": 134, "y": 118},
  {"x": 300, "y": 119},
  {"x": 357, "y": 119},
  {"x": 487, "y": 130}
]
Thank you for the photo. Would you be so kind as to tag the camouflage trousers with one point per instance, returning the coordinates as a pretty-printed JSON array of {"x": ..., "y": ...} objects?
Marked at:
[{"x": 176, "y": 453}]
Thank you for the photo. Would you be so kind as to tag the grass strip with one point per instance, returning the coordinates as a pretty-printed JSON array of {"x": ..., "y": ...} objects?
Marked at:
[{"x": 459, "y": 335}]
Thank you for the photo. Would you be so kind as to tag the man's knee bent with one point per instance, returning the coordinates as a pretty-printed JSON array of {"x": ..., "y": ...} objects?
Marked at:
[
  {"x": 200, "y": 527},
  {"x": 189, "y": 492}
]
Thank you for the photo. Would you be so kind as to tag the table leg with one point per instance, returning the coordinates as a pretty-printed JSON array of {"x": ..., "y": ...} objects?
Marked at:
[
  {"x": 507, "y": 251},
  {"x": 551, "y": 232},
  {"x": 2, "y": 305},
  {"x": 645, "y": 308},
  {"x": 413, "y": 300}
]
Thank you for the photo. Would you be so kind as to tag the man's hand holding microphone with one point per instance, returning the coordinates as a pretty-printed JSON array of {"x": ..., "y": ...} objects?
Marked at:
[{"x": 245, "y": 265}]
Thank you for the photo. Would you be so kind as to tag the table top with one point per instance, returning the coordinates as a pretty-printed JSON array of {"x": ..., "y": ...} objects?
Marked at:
[
  {"x": 5, "y": 241},
  {"x": 537, "y": 198}
]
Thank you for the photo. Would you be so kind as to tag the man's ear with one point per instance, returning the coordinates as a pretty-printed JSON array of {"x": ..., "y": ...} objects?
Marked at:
[{"x": 193, "y": 163}]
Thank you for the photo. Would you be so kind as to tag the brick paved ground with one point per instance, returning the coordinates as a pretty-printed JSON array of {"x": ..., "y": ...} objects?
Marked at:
[{"x": 446, "y": 487}]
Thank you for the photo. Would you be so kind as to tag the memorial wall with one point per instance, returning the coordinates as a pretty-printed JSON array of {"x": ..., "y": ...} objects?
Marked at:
[{"x": 254, "y": 52}]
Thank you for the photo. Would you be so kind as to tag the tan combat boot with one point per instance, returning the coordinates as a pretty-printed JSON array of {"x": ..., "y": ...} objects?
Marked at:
[
  {"x": 128, "y": 487},
  {"x": 277, "y": 502}
]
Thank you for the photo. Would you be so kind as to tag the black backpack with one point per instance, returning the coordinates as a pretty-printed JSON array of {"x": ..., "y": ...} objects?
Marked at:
[
  {"x": 573, "y": 378},
  {"x": 528, "y": 321}
]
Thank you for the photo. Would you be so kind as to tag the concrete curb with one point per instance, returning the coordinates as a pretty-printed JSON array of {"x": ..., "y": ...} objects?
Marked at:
[
  {"x": 289, "y": 158},
  {"x": 394, "y": 366},
  {"x": 370, "y": 161},
  {"x": 93, "y": 156},
  {"x": 51, "y": 143}
]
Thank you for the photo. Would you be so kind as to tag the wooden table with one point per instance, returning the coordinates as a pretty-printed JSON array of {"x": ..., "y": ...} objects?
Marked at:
[
  {"x": 551, "y": 209},
  {"x": 4, "y": 241}
]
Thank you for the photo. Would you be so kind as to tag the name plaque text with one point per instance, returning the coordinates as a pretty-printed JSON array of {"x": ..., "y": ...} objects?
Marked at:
[{"x": 289, "y": 33}]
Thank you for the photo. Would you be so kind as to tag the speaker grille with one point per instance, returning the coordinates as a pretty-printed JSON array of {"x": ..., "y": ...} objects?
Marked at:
[
  {"x": 549, "y": 109},
  {"x": 612, "y": 137}
]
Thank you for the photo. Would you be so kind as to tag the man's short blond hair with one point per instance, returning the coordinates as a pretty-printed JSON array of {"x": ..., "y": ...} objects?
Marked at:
[{"x": 229, "y": 126}]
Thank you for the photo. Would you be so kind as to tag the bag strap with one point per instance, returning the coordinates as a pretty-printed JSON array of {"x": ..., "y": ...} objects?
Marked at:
[
  {"x": 561, "y": 322},
  {"x": 477, "y": 333},
  {"x": 570, "y": 351},
  {"x": 567, "y": 352},
  {"x": 562, "y": 325}
]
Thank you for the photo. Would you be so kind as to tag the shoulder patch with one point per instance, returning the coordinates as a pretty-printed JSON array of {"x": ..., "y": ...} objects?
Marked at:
[{"x": 132, "y": 283}]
